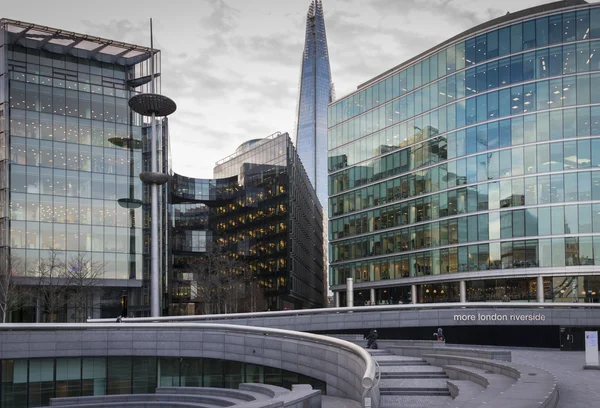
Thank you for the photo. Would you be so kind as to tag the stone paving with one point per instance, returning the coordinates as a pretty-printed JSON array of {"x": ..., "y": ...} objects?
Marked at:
[
  {"x": 334, "y": 402},
  {"x": 578, "y": 388}
]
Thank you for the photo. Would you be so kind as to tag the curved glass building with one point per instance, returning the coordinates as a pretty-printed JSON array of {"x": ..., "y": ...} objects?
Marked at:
[
  {"x": 261, "y": 207},
  {"x": 471, "y": 172}
]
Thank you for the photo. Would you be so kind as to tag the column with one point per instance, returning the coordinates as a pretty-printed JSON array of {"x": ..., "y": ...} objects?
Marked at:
[
  {"x": 349, "y": 292},
  {"x": 336, "y": 298},
  {"x": 463, "y": 291},
  {"x": 373, "y": 300},
  {"x": 413, "y": 294},
  {"x": 154, "y": 106},
  {"x": 540, "y": 289}
]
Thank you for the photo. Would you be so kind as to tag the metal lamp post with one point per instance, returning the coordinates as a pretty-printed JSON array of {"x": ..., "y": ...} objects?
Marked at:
[{"x": 153, "y": 105}]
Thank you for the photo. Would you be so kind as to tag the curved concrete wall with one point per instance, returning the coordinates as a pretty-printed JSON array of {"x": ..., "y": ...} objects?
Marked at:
[{"x": 345, "y": 367}]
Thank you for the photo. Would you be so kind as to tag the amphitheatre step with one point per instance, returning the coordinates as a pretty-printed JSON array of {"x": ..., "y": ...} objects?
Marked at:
[
  {"x": 433, "y": 383},
  {"x": 412, "y": 389},
  {"x": 410, "y": 377},
  {"x": 380, "y": 352},
  {"x": 145, "y": 404},
  {"x": 241, "y": 395},
  {"x": 413, "y": 374},
  {"x": 497, "y": 383},
  {"x": 387, "y": 363},
  {"x": 201, "y": 401},
  {"x": 414, "y": 401},
  {"x": 393, "y": 357},
  {"x": 416, "y": 392},
  {"x": 412, "y": 369},
  {"x": 467, "y": 390}
]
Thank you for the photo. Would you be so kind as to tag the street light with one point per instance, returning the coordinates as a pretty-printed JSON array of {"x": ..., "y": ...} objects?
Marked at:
[{"x": 153, "y": 105}]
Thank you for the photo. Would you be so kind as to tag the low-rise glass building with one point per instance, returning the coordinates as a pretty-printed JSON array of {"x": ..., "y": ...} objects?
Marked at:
[{"x": 470, "y": 172}]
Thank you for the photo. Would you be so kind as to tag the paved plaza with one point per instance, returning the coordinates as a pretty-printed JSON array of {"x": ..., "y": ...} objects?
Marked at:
[{"x": 578, "y": 388}]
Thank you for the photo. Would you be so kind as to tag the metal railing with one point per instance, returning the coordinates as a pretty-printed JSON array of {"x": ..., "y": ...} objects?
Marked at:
[
  {"x": 358, "y": 309},
  {"x": 370, "y": 390}
]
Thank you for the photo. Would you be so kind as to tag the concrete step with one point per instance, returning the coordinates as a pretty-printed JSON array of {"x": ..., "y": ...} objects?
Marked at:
[
  {"x": 402, "y": 363},
  {"x": 415, "y": 375},
  {"x": 416, "y": 391},
  {"x": 394, "y": 357},
  {"x": 412, "y": 369},
  {"x": 414, "y": 401},
  {"x": 413, "y": 383},
  {"x": 380, "y": 352},
  {"x": 467, "y": 390}
]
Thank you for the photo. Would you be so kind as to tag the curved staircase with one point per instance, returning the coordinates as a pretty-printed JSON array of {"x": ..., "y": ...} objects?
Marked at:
[{"x": 410, "y": 382}]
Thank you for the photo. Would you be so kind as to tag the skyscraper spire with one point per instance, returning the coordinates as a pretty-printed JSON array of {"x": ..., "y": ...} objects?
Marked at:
[{"x": 316, "y": 92}]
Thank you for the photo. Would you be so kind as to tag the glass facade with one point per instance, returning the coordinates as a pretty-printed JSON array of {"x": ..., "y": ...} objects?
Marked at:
[
  {"x": 316, "y": 92},
  {"x": 480, "y": 158},
  {"x": 69, "y": 160},
  {"x": 32, "y": 382},
  {"x": 261, "y": 208}
]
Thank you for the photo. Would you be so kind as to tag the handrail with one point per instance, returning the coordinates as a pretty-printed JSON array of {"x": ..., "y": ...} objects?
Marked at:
[
  {"x": 377, "y": 373},
  {"x": 359, "y": 309},
  {"x": 367, "y": 380},
  {"x": 377, "y": 379}
]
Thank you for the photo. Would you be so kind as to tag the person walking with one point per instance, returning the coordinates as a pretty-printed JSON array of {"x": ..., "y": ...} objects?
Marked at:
[{"x": 372, "y": 339}]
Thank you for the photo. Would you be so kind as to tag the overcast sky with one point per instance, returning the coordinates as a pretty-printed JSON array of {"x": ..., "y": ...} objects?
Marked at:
[{"x": 232, "y": 66}]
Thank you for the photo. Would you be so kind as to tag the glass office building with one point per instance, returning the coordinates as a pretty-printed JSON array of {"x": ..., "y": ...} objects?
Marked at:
[
  {"x": 261, "y": 207},
  {"x": 471, "y": 172},
  {"x": 316, "y": 92},
  {"x": 71, "y": 152}
]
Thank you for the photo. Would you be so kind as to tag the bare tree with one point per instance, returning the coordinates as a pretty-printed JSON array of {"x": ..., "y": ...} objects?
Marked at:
[
  {"x": 12, "y": 296},
  {"x": 83, "y": 278},
  {"x": 51, "y": 286},
  {"x": 219, "y": 280},
  {"x": 255, "y": 300}
]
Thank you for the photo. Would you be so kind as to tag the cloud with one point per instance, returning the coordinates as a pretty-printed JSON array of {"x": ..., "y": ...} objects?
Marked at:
[
  {"x": 279, "y": 48},
  {"x": 222, "y": 18},
  {"x": 459, "y": 12},
  {"x": 233, "y": 67},
  {"x": 123, "y": 29}
]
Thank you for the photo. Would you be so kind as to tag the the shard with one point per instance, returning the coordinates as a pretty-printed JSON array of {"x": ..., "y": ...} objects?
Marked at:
[{"x": 316, "y": 92}]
